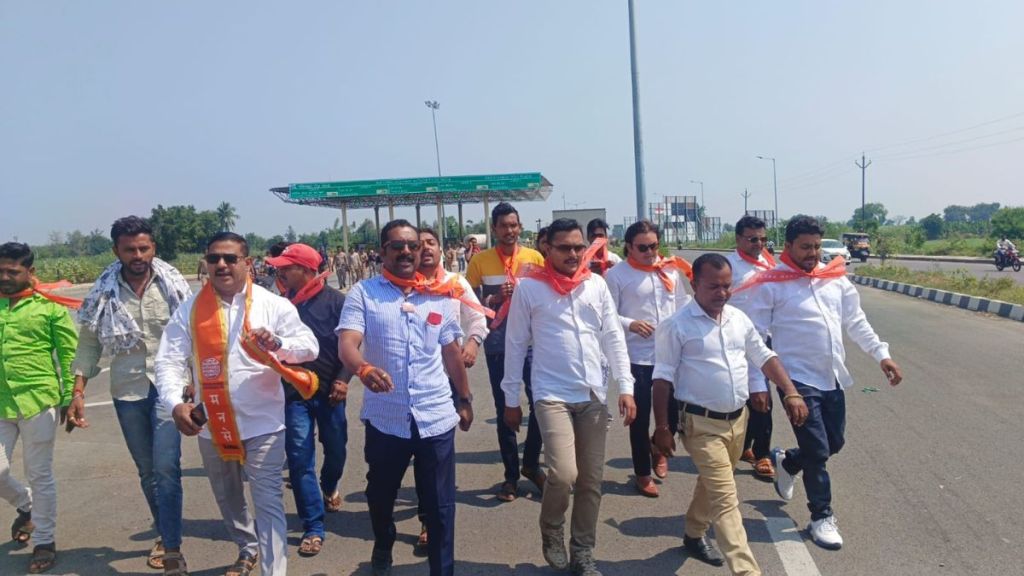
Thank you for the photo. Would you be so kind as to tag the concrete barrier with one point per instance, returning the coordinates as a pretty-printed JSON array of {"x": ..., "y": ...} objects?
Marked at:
[{"x": 964, "y": 301}]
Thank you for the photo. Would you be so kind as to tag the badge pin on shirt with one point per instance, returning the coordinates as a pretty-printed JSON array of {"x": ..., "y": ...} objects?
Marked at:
[{"x": 408, "y": 307}]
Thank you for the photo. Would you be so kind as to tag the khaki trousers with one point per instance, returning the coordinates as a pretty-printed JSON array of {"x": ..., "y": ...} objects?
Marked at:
[
  {"x": 574, "y": 439},
  {"x": 715, "y": 447}
]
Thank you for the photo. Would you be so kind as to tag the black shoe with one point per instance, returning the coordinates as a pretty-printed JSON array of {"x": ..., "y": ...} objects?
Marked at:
[
  {"x": 702, "y": 550},
  {"x": 380, "y": 563}
]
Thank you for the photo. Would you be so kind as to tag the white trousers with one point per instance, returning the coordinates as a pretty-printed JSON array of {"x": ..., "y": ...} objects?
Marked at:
[{"x": 37, "y": 437}]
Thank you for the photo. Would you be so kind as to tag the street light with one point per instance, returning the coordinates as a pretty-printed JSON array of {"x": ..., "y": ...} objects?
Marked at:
[
  {"x": 434, "y": 105},
  {"x": 775, "y": 185},
  {"x": 700, "y": 216}
]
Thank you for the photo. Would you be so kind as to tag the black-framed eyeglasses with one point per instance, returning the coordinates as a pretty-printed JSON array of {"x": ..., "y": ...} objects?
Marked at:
[
  {"x": 756, "y": 239},
  {"x": 229, "y": 259},
  {"x": 399, "y": 245},
  {"x": 577, "y": 248},
  {"x": 646, "y": 247}
]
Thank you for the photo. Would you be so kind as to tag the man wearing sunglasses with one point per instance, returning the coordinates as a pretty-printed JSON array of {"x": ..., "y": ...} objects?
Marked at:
[
  {"x": 752, "y": 256},
  {"x": 402, "y": 340},
  {"x": 495, "y": 273},
  {"x": 238, "y": 335},
  {"x": 644, "y": 300},
  {"x": 566, "y": 312}
]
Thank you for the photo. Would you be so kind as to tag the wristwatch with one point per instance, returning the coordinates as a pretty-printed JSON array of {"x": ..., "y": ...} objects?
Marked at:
[{"x": 476, "y": 338}]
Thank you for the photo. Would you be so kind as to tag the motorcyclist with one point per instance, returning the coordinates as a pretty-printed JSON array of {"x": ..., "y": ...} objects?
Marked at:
[{"x": 1003, "y": 249}]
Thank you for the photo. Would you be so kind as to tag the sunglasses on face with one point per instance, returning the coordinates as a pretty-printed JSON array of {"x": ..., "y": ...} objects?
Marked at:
[
  {"x": 399, "y": 245},
  {"x": 756, "y": 239},
  {"x": 577, "y": 248},
  {"x": 646, "y": 247},
  {"x": 229, "y": 259}
]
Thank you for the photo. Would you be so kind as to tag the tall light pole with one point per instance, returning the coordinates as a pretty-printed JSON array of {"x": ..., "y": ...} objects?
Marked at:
[
  {"x": 434, "y": 105},
  {"x": 638, "y": 143},
  {"x": 775, "y": 186},
  {"x": 700, "y": 215}
]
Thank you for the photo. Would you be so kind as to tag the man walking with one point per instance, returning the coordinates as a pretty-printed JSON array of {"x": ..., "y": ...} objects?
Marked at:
[
  {"x": 752, "y": 257},
  {"x": 408, "y": 334},
  {"x": 605, "y": 258},
  {"x": 341, "y": 268},
  {"x": 33, "y": 388},
  {"x": 238, "y": 335},
  {"x": 569, "y": 316},
  {"x": 125, "y": 314},
  {"x": 495, "y": 273},
  {"x": 805, "y": 306},
  {"x": 703, "y": 351},
  {"x": 647, "y": 290},
  {"x": 319, "y": 308}
]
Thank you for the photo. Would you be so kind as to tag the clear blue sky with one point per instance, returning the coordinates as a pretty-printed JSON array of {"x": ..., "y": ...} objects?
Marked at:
[{"x": 109, "y": 108}]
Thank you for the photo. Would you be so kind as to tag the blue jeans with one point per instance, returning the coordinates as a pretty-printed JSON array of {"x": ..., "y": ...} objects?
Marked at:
[
  {"x": 300, "y": 417},
  {"x": 507, "y": 444},
  {"x": 434, "y": 468},
  {"x": 821, "y": 436},
  {"x": 155, "y": 445}
]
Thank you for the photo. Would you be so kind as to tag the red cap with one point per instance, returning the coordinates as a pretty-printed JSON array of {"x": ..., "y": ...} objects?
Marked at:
[{"x": 298, "y": 254}]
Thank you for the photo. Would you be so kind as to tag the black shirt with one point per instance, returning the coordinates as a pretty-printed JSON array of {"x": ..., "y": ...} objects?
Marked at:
[{"x": 321, "y": 313}]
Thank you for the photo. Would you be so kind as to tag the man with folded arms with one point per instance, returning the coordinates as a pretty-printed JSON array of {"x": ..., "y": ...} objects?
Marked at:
[
  {"x": 124, "y": 314},
  {"x": 236, "y": 336},
  {"x": 569, "y": 316},
  {"x": 703, "y": 352},
  {"x": 33, "y": 395},
  {"x": 323, "y": 415},
  {"x": 750, "y": 258},
  {"x": 647, "y": 290},
  {"x": 806, "y": 306},
  {"x": 407, "y": 327}
]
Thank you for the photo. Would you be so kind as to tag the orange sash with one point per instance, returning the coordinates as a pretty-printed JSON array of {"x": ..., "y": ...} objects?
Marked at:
[
  {"x": 834, "y": 269},
  {"x": 44, "y": 291},
  {"x": 768, "y": 264},
  {"x": 510, "y": 276},
  {"x": 210, "y": 343},
  {"x": 565, "y": 284},
  {"x": 671, "y": 262},
  {"x": 437, "y": 287},
  {"x": 311, "y": 289}
]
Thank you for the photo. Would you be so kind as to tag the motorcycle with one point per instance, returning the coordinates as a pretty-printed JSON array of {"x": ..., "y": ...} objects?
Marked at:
[{"x": 1010, "y": 258}]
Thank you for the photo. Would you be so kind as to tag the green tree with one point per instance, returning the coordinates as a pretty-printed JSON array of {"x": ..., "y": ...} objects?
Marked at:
[
  {"x": 1008, "y": 222},
  {"x": 179, "y": 229},
  {"x": 226, "y": 216},
  {"x": 933, "y": 226},
  {"x": 955, "y": 213},
  {"x": 983, "y": 212},
  {"x": 289, "y": 235},
  {"x": 873, "y": 212}
]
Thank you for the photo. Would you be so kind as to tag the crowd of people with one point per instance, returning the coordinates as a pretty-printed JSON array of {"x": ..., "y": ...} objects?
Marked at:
[{"x": 567, "y": 328}]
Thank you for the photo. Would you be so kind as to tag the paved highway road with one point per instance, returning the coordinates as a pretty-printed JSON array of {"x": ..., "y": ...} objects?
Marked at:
[{"x": 929, "y": 481}]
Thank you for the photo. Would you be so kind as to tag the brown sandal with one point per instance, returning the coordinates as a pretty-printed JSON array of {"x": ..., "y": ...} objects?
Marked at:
[
  {"x": 21, "y": 530},
  {"x": 763, "y": 468},
  {"x": 156, "y": 556},
  {"x": 44, "y": 556},
  {"x": 332, "y": 503},
  {"x": 507, "y": 492},
  {"x": 174, "y": 564},
  {"x": 243, "y": 566},
  {"x": 310, "y": 546}
]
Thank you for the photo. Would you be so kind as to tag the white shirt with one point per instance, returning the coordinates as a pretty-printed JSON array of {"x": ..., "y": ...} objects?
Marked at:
[
  {"x": 706, "y": 360},
  {"x": 569, "y": 334},
  {"x": 806, "y": 319},
  {"x": 473, "y": 322},
  {"x": 640, "y": 295},
  {"x": 257, "y": 395},
  {"x": 741, "y": 272}
]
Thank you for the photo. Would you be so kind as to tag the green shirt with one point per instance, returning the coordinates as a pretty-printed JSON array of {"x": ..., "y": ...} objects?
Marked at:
[{"x": 30, "y": 378}]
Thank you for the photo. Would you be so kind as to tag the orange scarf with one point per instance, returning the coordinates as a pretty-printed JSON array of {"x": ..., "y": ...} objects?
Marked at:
[
  {"x": 510, "y": 276},
  {"x": 834, "y": 269},
  {"x": 768, "y": 264},
  {"x": 44, "y": 291},
  {"x": 311, "y": 289},
  {"x": 672, "y": 262},
  {"x": 561, "y": 283},
  {"x": 438, "y": 286},
  {"x": 210, "y": 343}
]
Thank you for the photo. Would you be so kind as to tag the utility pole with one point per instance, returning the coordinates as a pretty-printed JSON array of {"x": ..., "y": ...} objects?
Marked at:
[
  {"x": 746, "y": 196},
  {"x": 638, "y": 143},
  {"x": 863, "y": 165}
]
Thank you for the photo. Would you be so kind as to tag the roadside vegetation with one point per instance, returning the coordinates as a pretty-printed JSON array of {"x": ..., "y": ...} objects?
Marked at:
[{"x": 960, "y": 281}]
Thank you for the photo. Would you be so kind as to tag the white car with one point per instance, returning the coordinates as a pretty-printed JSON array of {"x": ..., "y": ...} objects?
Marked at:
[{"x": 830, "y": 248}]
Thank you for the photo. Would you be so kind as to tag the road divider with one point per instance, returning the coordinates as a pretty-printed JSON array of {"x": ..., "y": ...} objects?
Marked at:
[{"x": 964, "y": 301}]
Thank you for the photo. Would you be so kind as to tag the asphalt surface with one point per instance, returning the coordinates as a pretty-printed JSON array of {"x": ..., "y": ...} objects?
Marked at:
[{"x": 928, "y": 483}]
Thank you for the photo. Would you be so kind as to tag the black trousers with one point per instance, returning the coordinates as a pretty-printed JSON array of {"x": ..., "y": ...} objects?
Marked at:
[{"x": 640, "y": 429}]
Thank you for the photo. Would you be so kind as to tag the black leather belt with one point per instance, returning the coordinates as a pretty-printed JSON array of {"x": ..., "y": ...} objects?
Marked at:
[{"x": 702, "y": 411}]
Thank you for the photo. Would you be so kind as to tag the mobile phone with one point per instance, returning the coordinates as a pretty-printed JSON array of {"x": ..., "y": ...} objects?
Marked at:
[{"x": 198, "y": 415}]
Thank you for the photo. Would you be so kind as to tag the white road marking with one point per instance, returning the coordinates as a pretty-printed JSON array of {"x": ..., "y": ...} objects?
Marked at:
[
  {"x": 796, "y": 559},
  {"x": 92, "y": 404}
]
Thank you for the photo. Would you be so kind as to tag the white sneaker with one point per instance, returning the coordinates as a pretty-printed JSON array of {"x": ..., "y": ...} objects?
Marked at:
[
  {"x": 825, "y": 533},
  {"x": 784, "y": 481}
]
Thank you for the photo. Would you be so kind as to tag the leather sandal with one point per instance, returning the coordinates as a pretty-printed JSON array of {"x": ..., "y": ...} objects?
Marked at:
[
  {"x": 764, "y": 469},
  {"x": 21, "y": 530},
  {"x": 44, "y": 556},
  {"x": 243, "y": 566},
  {"x": 332, "y": 503},
  {"x": 507, "y": 492},
  {"x": 311, "y": 545},
  {"x": 156, "y": 556},
  {"x": 174, "y": 564}
]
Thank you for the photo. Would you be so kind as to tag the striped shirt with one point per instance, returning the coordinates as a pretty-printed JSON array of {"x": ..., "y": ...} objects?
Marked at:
[{"x": 399, "y": 338}]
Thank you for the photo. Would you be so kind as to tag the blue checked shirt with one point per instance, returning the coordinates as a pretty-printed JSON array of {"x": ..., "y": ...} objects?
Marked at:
[{"x": 400, "y": 340}]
